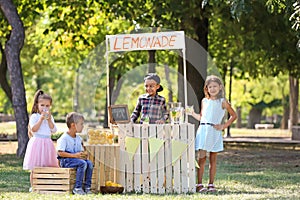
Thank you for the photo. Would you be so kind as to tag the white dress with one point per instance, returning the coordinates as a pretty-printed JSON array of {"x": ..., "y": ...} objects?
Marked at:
[{"x": 207, "y": 137}]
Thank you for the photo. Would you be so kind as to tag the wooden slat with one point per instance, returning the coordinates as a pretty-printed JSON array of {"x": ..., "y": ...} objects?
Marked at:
[
  {"x": 53, "y": 170},
  {"x": 116, "y": 164},
  {"x": 50, "y": 175},
  {"x": 122, "y": 154},
  {"x": 51, "y": 181},
  {"x": 153, "y": 163},
  {"x": 176, "y": 166},
  {"x": 161, "y": 161},
  {"x": 97, "y": 166},
  {"x": 191, "y": 158},
  {"x": 129, "y": 163},
  {"x": 101, "y": 160},
  {"x": 110, "y": 163},
  {"x": 51, "y": 187},
  {"x": 145, "y": 159},
  {"x": 168, "y": 159},
  {"x": 183, "y": 162},
  {"x": 137, "y": 161}
]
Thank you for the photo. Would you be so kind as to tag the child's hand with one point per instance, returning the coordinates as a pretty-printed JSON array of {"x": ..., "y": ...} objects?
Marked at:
[
  {"x": 160, "y": 122},
  {"x": 189, "y": 110},
  {"x": 83, "y": 155},
  {"x": 46, "y": 114},
  {"x": 219, "y": 127}
]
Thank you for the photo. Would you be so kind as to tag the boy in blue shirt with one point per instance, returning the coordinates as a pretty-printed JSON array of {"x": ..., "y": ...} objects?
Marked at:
[{"x": 71, "y": 153}]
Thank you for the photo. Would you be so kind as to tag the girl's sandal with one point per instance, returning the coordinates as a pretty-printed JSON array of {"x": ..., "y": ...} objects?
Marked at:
[
  {"x": 211, "y": 188},
  {"x": 200, "y": 188}
]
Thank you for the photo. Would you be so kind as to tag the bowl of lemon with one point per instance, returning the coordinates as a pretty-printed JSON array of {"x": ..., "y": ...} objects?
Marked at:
[{"x": 111, "y": 188}]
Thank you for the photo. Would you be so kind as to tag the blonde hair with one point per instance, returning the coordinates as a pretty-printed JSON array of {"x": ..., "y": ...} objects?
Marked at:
[
  {"x": 217, "y": 80},
  {"x": 73, "y": 117}
]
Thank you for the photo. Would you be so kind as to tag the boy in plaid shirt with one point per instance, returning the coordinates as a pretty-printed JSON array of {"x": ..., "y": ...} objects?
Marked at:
[{"x": 151, "y": 106}]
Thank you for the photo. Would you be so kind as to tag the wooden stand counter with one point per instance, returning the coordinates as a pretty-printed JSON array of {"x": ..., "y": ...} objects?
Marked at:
[
  {"x": 105, "y": 158},
  {"x": 153, "y": 158}
]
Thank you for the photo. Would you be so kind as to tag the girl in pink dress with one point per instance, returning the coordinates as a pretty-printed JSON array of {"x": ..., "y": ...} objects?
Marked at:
[{"x": 40, "y": 150}]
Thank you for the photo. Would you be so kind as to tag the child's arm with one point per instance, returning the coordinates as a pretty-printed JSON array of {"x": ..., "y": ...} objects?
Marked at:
[
  {"x": 35, "y": 126},
  {"x": 51, "y": 124},
  {"x": 197, "y": 116},
  {"x": 231, "y": 119},
  {"x": 136, "y": 113},
  {"x": 64, "y": 154}
]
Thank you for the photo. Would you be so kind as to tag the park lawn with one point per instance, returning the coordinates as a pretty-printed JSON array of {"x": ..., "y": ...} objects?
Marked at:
[
  {"x": 243, "y": 173},
  {"x": 10, "y": 128}
]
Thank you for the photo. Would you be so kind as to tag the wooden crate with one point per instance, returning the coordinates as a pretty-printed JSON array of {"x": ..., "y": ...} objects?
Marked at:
[{"x": 53, "y": 180}]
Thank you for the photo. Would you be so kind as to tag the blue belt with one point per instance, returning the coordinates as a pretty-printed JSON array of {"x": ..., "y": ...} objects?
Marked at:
[
  {"x": 41, "y": 136},
  {"x": 211, "y": 124}
]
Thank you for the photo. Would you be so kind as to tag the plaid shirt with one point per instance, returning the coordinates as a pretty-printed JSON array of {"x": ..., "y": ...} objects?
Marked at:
[{"x": 152, "y": 107}]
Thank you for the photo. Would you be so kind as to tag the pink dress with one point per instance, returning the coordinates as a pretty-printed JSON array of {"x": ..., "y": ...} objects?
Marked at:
[{"x": 40, "y": 150}]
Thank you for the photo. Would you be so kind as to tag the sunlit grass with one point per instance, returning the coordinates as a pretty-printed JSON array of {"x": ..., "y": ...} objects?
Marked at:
[
  {"x": 10, "y": 128},
  {"x": 243, "y": 132},
  {"x": 247, "y": 173}
]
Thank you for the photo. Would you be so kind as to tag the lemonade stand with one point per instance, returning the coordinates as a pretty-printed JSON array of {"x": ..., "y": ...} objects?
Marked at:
[{"x": 148, "y": 158}]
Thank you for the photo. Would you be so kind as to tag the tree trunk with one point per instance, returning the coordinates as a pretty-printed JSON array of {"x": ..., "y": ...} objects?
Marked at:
[
  {"x": 239, "y": 117},
  {"x": 294, "y": 96},
  {"x": 254, "y": 117},
  {"x": 151, "y": 61},
  {"x": 151, "y": 58},
  {"x": 12, "y": 50},
  {"x": 285, "y": 117},
  {"x": 3, "y": 78},
  {"x": 169, "y": 83}
]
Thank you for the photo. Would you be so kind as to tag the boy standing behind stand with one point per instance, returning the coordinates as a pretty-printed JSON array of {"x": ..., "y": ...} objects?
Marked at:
[{"x": 71, "y": 153}]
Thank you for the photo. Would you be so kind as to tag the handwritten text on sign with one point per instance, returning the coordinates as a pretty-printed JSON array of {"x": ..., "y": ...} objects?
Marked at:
[{"x": 147, "y": 41}]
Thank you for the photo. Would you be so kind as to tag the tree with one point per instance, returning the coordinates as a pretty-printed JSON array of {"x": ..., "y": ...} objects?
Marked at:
[{"x": 12, "y": 50}]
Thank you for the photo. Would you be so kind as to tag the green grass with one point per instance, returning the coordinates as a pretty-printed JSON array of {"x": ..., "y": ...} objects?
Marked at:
[
  {"x": 243, "y": 173},
  {"x": 10, "y": 128}
]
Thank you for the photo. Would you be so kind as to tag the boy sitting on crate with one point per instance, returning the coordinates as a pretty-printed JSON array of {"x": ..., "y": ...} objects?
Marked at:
[{"x": 71, "y": 153}]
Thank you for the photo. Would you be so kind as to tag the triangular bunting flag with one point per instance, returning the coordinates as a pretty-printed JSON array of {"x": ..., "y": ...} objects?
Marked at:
[
  {"x": 177, "y": 149},
  {"x": 131, "y": 145},
  {"x": 154, "y": 146}
]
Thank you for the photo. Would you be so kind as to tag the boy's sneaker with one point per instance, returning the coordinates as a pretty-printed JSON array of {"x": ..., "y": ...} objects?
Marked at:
[
  {"x": 88, "y": 191},
  {"x": 30, "y": 189},
  {"x": 78, "y": 191}
]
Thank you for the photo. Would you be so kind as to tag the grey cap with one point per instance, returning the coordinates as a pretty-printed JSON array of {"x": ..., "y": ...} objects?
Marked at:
[{"x": 155, "y": 77}]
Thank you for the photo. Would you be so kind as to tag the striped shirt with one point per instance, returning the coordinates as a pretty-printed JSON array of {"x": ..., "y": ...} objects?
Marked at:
[{"x": 152, "y": 107}]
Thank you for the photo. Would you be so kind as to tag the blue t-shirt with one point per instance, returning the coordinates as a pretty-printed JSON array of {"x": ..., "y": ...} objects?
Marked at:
[{"x": 69, "y": 144}]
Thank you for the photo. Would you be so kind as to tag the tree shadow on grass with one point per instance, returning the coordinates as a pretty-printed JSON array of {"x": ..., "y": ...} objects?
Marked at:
[{"x": 13, "y": 177}]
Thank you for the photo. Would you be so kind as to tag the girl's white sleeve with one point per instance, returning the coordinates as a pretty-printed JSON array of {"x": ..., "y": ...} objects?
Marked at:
[{"x": 34, "y": 118}]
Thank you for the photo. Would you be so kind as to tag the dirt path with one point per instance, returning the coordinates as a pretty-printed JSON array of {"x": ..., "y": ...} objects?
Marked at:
[{"x": 8, "y": 147}]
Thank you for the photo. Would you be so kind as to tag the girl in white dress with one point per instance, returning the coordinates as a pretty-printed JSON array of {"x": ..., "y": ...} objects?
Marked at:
[{"x": 209, "y": 134}]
